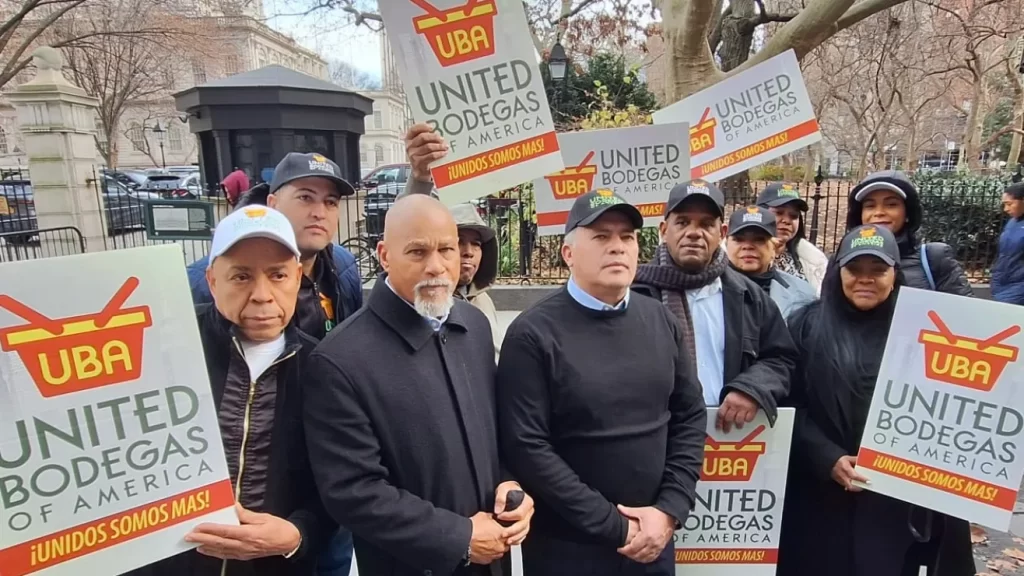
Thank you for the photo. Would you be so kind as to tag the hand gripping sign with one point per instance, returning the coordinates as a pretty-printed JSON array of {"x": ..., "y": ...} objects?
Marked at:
[
  {"x": 110, "y": 449},
  {"x": 945, "y": 430},
  {"x": 735, "y": 525},
  {"x": 470, "y": 71}
]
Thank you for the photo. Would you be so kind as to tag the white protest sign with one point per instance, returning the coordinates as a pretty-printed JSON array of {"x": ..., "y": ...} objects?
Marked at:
[
  {"x": 945, "y": 428},
  {"x": 110, "y": 451},
  {"x": 640, "y": 164},
  {"x": 735, "y": 526},
  {"x": 747, "y": 119},
  {"x": 470, "y": 71}
]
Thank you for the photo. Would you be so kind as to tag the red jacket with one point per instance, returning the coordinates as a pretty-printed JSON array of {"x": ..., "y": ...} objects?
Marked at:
[{"x": 234, "y": 184}]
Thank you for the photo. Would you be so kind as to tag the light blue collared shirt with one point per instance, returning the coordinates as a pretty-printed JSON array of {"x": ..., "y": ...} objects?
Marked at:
[
  {"x": 435, "y": 323},
  {"x": 707, "y": 309},
  {"x": 588, "y": 301}
]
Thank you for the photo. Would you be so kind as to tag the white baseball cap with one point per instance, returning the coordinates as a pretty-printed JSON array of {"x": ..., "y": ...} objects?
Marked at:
[{"x": 255, "y": 221}]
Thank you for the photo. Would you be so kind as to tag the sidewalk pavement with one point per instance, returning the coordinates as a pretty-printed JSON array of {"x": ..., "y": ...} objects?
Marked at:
[{"x": 1001, "y": 553}]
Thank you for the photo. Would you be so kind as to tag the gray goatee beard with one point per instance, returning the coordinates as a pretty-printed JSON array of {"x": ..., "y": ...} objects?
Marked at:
[{"x": 433, "y": 308}]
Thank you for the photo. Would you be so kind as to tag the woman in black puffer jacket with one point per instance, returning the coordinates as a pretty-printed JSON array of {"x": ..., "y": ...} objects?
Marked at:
[{"x": 890, "y": 199}]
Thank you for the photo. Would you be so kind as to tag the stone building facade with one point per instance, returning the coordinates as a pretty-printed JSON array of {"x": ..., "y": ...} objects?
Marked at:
[
  {"x": 384, "y": 141},
  {"x": 243, "y": 43}
]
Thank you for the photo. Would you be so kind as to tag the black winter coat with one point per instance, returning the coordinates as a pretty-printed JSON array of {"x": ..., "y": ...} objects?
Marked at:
[
  {"x": 825, "y": 529},
  {"x": 759, "y": 352},
  {"x": 289, "y": 491},
  {"x": 949, "y": 277},
  {"x": 403, "y": 434}
]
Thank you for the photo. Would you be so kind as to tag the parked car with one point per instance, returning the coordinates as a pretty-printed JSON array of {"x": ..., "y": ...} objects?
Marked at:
[
  {"x": 376, "y": 205},
  {"x": 185, "y": 170},
  {"x": 123, "y": 207},
  {"x": 387, "y": 174},
  {"x": 193, "y": 184},
  {"x": 130, "y": 178}
]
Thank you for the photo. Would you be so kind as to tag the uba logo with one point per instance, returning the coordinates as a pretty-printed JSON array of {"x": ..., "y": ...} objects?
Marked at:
[
  {"x": 574, "y": 181},
  {"x": 965, "y": 361},
  {"x": 459, "y": 34},
  {"x": 732, "y": 461},
  {"x": 702, "y": 135},
  {"x": 66, "y": 355}
]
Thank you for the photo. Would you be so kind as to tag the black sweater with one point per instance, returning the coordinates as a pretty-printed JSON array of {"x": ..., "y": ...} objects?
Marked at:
[{"x": 599, "y": 408}]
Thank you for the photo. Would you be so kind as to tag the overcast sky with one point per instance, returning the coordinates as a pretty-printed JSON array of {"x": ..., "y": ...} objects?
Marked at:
[{"x": 327, "y": 33}]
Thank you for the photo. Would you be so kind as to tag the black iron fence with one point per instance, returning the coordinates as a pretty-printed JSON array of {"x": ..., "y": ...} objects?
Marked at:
[{"x": 963, "y": 212}]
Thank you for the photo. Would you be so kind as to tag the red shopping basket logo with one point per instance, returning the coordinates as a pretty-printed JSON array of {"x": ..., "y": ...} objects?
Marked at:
[
  {"x": 458, "y": 34},
  {"x": 963, "y": 361},
  {"x": 66, "y": 355},
  {"x": 574, "y": 181},
  {"x": 732, "y": 461},
  {"x": 702, "y": 134}
]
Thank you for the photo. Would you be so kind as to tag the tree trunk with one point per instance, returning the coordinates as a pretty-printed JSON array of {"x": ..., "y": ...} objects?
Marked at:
[
  {"x": 690, "y": 65},
  {"x": 1013, "y": 159},
  {"x": 1017, "y": 119},
  {"x": 912, "y": 147},
  {"x": 737, "y": 33},
  {"x": 975, "y": 124}
]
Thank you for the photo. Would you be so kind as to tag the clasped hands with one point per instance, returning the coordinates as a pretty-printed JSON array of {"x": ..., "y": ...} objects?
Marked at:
[
  {"x": 650, "y": 530},
  {"x": 490, "y": 540}
]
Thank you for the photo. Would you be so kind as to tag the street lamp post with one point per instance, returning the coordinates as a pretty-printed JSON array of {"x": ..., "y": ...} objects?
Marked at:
[
  {"x": 161, "y": 132},
  {"x": 557, "y": 63}
]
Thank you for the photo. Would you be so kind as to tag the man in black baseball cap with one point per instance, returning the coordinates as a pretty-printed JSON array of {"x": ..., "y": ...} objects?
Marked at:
[
  {"x": 590, "y": 363},
  {"x": 732, "y": 330},
  {"x": 307, "y": 189},
  {"x": 752, "y": 253},
  {"x": 596, "y": 203}
]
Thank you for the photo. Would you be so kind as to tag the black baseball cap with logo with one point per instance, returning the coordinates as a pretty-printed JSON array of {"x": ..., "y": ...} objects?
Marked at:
[
  {"x": 296, "y": 165},
  {"x": 594, "y": 204},
  {"x": 869, "y": 240},
  {"x": 701, "y": 189},
  {"x": 752, "y": 217},
  {"x": 779, "y": 194}
]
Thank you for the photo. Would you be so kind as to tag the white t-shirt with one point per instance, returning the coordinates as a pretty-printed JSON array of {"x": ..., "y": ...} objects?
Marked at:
[{"x": 260, "y": 355}]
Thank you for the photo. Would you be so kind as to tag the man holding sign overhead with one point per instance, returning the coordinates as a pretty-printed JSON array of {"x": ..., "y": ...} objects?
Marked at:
[{"x": 471, "y": 73}]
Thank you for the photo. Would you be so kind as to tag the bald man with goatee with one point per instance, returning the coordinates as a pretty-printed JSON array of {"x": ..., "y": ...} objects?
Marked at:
[{"x": 400, "y": 415}]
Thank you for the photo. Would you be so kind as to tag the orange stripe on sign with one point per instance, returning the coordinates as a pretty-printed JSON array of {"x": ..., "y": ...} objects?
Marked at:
[
  {"x": 655, "y": 210},
  {"x": 755, "y": 149},
  {"x": 963, "y": 486},
  {"x": 35, "y": 555},
  {"x": 727, "y": 556},
  {"x": 494, "y": 160}
]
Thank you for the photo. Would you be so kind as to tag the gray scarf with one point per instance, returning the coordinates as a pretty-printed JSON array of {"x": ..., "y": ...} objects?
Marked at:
[{"x": 673, "y": 282}]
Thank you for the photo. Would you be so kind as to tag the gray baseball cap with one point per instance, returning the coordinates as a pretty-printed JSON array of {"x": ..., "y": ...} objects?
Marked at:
[{"x": 296, "y": 165}]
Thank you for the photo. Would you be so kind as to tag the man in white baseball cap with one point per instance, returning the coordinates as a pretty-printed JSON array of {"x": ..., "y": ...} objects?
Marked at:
[{"x": 255, "y": 358}]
